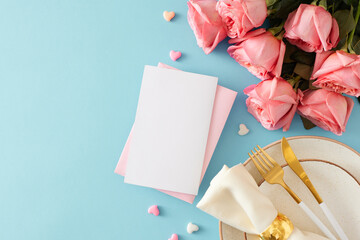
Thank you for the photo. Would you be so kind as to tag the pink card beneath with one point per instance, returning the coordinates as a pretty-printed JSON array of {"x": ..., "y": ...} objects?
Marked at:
[{"x": 224, "y": 100}]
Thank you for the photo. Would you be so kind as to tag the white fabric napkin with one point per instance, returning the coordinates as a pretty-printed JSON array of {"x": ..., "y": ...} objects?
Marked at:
[{"x": 235, "y": 199}]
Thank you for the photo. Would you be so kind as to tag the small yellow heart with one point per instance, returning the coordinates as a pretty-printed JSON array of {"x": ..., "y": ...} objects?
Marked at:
[{"x": 168, "y": 15}]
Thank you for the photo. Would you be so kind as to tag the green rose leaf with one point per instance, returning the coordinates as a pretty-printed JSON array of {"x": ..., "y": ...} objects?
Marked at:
[
  {"x": 341, "y": 44},
  {"x": 290, "y": 49},
  {"x": 304, "y": 85},
  {"x": 345, "y": 20},
  {"x": 285, "y": 7},
  {"x": 323, "y": 3},
  {"x": 271, "y": 2},
  {"x": 353, "y": 3},
  {"x": 303, "y": 70},
  {"x": 303, "y": 57},
  {"x": 311, "y": 85},
  {"x": 288, "y": 68},
  {"x": 356, "y": 44},
  {"x": 307, "y": 123}
]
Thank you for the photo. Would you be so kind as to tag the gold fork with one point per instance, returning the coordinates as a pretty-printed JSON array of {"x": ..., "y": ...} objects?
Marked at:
[{"x": 273, "y": 173}]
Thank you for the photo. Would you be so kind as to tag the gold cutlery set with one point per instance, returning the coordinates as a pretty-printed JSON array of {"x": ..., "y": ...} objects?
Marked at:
[{"x": 273, "y": 173}]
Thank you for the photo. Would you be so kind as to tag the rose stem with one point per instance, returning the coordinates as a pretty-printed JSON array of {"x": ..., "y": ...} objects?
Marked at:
[{"x": 353, "y": 31}]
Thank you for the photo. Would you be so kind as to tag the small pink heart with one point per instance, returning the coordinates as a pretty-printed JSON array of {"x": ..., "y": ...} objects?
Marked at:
[
  {"x": 154, "y": 210},
  {"x": 174, "y": 237},
  {"x": 174, "y": 55},
  {"x": 168, "y": 15}
]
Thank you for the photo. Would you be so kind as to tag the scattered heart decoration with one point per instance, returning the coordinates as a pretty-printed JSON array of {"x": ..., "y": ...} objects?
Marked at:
[
  {"x": 174, "y": 55},
  {"x": 168, "y": 15},
  {"x": 243, "y": 130},
  {"x": 174, "y": 237},
  {"x": 192, "y": 228},
  {"x": 154, "y": 210}
]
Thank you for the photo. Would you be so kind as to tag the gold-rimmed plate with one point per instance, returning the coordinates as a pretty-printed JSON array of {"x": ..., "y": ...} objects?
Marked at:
[{"x": 332, "y": 166}]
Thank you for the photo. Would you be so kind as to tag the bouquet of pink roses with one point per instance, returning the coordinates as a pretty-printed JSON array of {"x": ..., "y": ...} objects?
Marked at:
[{"x": 306, "y": 58}]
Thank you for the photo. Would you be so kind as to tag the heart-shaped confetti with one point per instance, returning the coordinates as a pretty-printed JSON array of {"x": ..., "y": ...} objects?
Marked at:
[
  {"x": 243, "y": 130},
  {"x": 192, "y": 228},
  {"x": 154, "y": 210},
  {"x": 168, "y": 15},
  {"x": 174, "y": 55},
  {"x": 174, "y": 237}
]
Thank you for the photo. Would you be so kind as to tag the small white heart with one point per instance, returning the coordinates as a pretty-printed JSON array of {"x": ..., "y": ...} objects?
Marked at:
[
  {"x": 192, "y": 228},
  {"x": 243, "y": 130}
]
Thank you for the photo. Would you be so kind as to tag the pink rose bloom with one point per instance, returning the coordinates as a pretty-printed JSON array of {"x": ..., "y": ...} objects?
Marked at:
[
  {"x": 328, "y": 110},
  {"x": 312, "y": 29},
  {"x": 337, "y": 71},
  {"x": 272, "y": 102},
  {"x": 240, "y": 16},
  {"x": 206, "y": 23},
  {"x": 260, "y": 52}
]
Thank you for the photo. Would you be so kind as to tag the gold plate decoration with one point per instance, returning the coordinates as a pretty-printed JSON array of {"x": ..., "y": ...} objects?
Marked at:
[{"x": 280, "y": 229}]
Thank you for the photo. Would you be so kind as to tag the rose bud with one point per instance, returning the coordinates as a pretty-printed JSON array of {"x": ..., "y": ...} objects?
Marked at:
[
  {"x": 337, "y": 71},
  {"x": 206, "y": 23},
  {"x": 240, "y": 16},
  {"x": 260, "y": 52},
  {"x": 328, "y": 110},
  {"x": 272, "y": 102},
  {"x": 312, "y": 29}
]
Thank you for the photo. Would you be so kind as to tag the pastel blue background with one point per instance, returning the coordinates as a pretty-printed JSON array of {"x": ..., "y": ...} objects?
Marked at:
[{"x": 70, "y": 74}]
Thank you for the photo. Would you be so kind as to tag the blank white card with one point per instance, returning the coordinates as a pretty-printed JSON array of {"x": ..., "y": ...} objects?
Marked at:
[{"x": 171, "y": 130}]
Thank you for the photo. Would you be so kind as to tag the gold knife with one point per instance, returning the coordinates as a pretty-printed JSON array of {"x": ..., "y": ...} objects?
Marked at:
[{"x": 295, "y": 165}]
